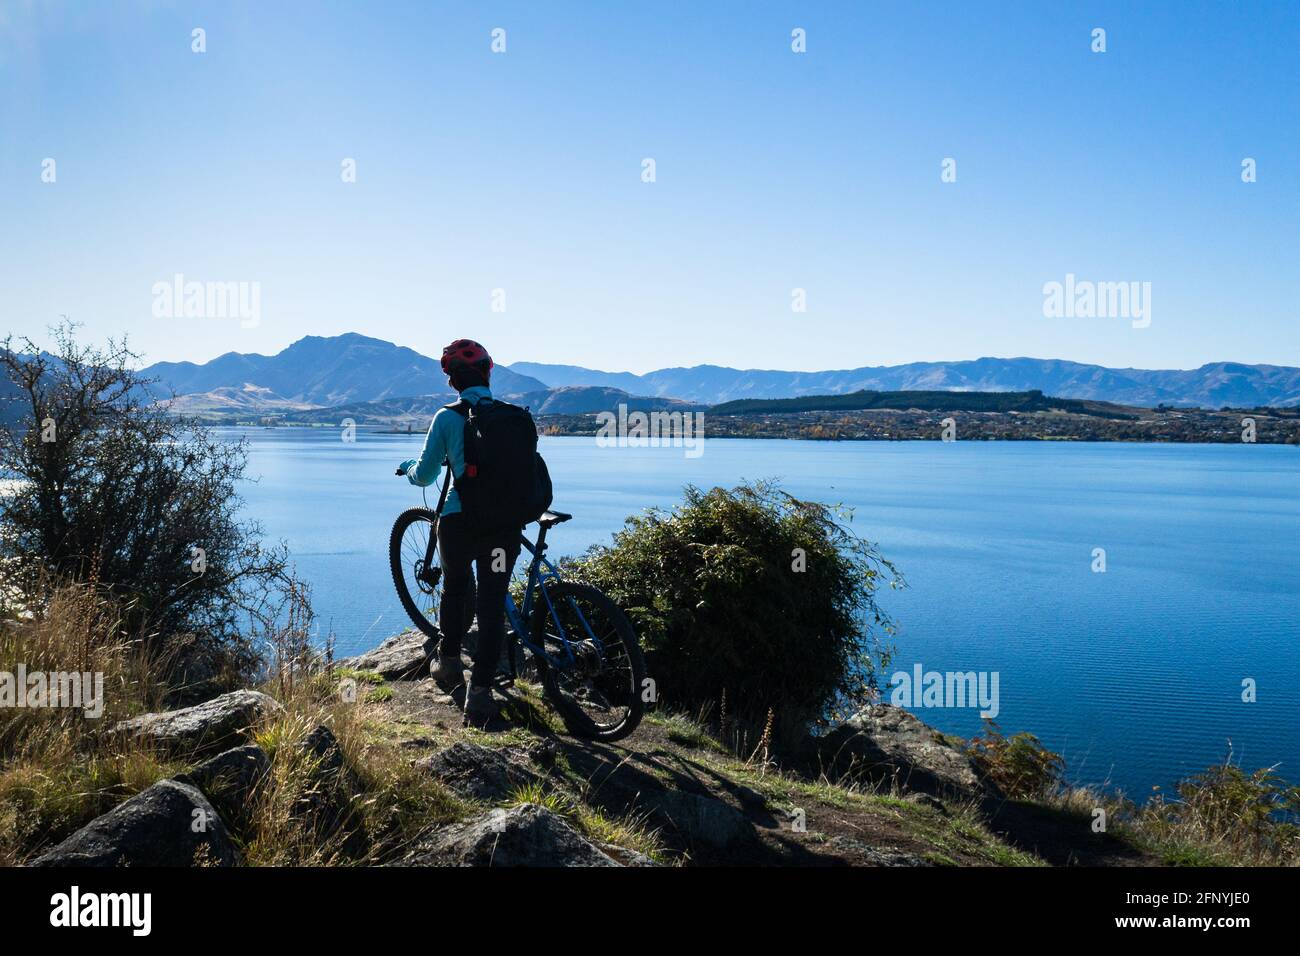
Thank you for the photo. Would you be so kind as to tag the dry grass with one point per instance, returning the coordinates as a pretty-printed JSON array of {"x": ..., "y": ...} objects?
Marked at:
[
  {"x": 632, "y": 832},
  {"x": 56, "y": 770},
  {"x": 305, "y": 815},
  {"x": 1224, "y": 816}
]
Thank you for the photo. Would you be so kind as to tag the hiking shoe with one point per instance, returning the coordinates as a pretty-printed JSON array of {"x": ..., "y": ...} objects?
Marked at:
[
  {"x": 449, "y": 672},
  {"x": 480, "y": 708}
]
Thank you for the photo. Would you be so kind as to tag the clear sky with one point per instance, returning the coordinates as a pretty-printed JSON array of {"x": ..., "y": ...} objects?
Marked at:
[{"x": 522, "y": 171}]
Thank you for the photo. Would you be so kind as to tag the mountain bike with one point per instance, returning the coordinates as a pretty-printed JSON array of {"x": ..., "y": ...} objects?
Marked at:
[{"x": 581, "y": 644}]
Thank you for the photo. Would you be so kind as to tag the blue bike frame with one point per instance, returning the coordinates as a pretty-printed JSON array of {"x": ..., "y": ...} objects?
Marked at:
[{"x": 540, "y": 571}]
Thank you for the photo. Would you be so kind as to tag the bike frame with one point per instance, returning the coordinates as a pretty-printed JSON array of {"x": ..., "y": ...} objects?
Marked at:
[{"x": 540, "y": 571}]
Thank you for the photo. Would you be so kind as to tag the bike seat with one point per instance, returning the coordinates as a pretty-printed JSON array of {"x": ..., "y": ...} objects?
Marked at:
[{"x": 551, "y": 518}]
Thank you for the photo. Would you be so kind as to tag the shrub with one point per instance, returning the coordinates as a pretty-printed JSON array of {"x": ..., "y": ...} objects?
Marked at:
[
  {"x": 753, "y": 595},
  {"x": 1226, "y": 814},
  {"x": 106, "y": 487},
  {"x": 1019, "y": 765}
]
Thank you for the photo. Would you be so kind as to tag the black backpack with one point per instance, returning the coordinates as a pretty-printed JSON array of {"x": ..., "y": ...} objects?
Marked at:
[{"x": 506, "y": 483}]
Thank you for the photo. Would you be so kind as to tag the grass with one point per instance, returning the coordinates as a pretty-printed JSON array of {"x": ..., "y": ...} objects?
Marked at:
[
  {"x": 368, "y": 813},
  {"x": 632, "y": 832},
  {"x": 687, "y": 732},
  {"x": 58, "y": 771},
  {"x": 1223, "y": 816}
]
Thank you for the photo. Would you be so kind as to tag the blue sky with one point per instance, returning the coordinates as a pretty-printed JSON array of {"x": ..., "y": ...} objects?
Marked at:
[{"x": 774, "y": 171}]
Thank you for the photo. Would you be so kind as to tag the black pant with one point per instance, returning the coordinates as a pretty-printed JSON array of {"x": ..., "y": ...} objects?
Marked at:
[{"x": 459, "y": 548}]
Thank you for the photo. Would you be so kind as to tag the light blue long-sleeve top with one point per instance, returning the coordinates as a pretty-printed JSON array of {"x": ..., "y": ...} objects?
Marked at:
[{"x": 445, "y": 442}]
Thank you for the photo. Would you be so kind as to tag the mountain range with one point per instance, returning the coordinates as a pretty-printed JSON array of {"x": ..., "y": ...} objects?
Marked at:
[
  {"x": 1210, "y": 386},
  {"x": 357, "y": 372},
  {"x": 320, "y": 372}
]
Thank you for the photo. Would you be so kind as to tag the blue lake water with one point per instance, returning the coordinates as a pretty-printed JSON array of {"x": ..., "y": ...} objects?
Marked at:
[{"x": 1135, "y": 674}]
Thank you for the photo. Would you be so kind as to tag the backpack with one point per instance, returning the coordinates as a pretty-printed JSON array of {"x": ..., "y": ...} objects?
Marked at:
[{"x": 506, "y": 483}]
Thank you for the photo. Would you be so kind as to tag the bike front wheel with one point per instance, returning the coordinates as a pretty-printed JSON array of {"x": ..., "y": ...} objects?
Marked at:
[
  {"x": 597, "y": 691},
  {"x": 416, "y": 573}
]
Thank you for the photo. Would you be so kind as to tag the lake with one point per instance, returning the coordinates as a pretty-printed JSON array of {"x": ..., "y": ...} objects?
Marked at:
[{"x": 1135, "y": 674}]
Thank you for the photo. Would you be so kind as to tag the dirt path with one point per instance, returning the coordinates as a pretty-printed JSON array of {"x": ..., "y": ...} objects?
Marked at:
[{"x": 708, "y": 807}]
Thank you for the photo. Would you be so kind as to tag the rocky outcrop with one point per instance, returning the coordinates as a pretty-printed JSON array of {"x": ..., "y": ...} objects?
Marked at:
[
  {"x": 625, "y": 857},
  {"x": 888, "y": 745},
  {"x": 211, "y": 726},
  {"x": 684, "y": 811},
  {"x": 198, "y": 672},
  {"x": 700, "y": 819},
  {"x": 866, "y": 855},
  {"x": 230, "y": 779},
  {"x": 323, "y": 748},
  {"x": 403, "y": 656},
  {"x": 328, "y": 801},
  {"x": 526, "y": 835},
  {"x": 169, "y": 824},
  {"x": 480, "y": 773}
]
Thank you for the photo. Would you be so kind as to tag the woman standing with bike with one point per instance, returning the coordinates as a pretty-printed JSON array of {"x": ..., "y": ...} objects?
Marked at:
[
  {"x": 479, "y": 524},
  {"x": 578, "y": 643}
]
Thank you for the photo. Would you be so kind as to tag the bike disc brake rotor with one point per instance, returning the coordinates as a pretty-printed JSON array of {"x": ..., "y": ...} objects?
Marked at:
[{"x": 426, "y": 578}]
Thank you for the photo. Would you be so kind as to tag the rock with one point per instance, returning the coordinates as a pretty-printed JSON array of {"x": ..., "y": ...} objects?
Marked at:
[
  {"x": 526, "y": 835},
  {"x": 625, "y": 857},
  {"x": 883, "y": 743},
  {"x": 866, "y": 855},
  {"x": 403, "y": 656},
  {"x": 211, "y": 726},
  {"x": 544, "y": 753},
  {"x": 154, "y": 828},
  {"x": 197, "y": 673},
  {"x": 327, "y": 802},
  {"x": 323, "y": 747},
  {"x": 230, "y": 778},
  {"x": 927, "y": 800},
  {"x": 479, "y": 772},
  {"x": 701, "y": 819}
]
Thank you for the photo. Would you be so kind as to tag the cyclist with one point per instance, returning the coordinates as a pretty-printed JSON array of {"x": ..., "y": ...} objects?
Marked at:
[{"x": 460, "y": 545}]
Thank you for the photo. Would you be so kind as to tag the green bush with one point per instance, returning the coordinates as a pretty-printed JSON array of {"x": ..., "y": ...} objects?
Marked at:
[
  {"x": 1019, "y": 765},
  {"x": 1226, "y": 815},
  {"x": 754, "y": 600},
  {"x": 110, "y": 489}
]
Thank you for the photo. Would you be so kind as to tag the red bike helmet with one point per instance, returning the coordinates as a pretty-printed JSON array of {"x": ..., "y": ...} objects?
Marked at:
[{"x": 466, "y": 353}]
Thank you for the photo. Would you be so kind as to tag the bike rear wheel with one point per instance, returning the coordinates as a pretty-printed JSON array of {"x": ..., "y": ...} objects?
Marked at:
[
  {"x": 419, "y": 584},
  {"x": 598, "y": 693}
]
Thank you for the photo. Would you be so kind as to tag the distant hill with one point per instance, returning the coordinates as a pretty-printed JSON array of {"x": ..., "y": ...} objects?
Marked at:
[
  {"x": 564, "y": 376},
  {"x": 323, "y": 372},
  {"x": 1210, "y": 386},
  {"x": 355, "y": 369},
  {"x": 248, "y": 398},
  {"x": 585, "y": 399},
  {"x": 932, "y": 401},
  {"x": 416, "y": 411}
]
